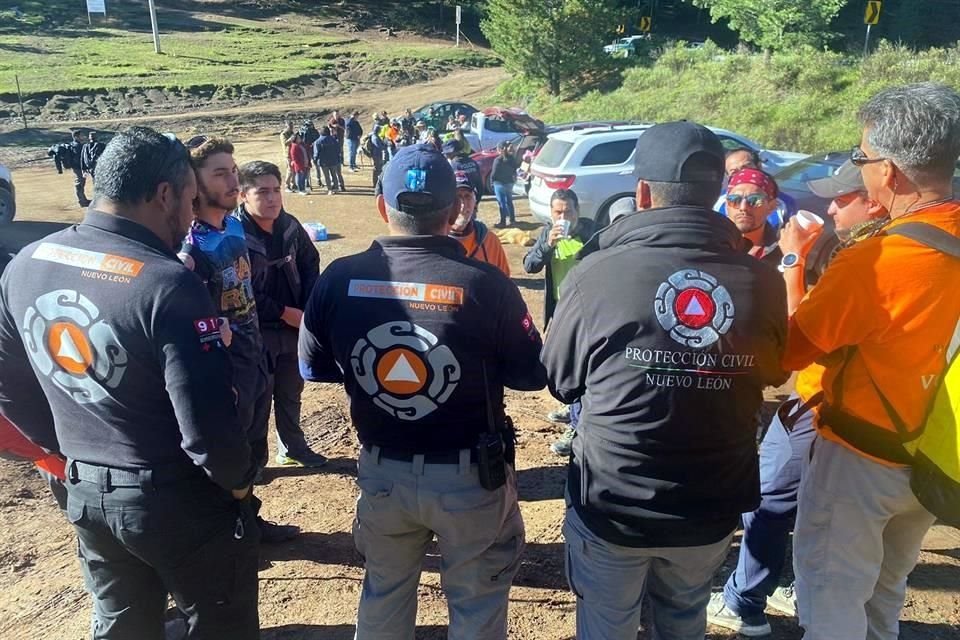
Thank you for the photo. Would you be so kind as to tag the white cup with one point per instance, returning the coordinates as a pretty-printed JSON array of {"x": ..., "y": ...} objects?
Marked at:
[
  {"x": 564, "y": 225},
  {"x": 809, "y": 221}
]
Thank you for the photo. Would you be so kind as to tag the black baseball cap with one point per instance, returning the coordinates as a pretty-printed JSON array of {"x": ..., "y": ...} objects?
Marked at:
[{"x": 679, "y": 152}]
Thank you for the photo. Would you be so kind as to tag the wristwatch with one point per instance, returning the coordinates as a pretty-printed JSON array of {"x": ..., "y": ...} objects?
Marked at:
[{"x": 789, "y": 261}]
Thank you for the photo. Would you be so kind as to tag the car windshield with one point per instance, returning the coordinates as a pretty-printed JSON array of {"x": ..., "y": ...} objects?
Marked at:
[
  {"x": 797, "y": 175},
  {"x": 554, "y": 153}
]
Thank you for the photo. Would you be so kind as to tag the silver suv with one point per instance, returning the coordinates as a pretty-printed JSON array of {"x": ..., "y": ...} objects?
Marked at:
[
  {"x": 597, "y": 164},
  {"x": 8, "y": 201}
]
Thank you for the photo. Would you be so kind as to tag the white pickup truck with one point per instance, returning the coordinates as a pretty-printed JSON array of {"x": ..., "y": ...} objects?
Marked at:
[{"x": 492, "y": 126}]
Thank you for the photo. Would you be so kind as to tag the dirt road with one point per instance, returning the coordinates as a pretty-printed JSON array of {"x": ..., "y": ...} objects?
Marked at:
[{"x": 309, "y": 587}]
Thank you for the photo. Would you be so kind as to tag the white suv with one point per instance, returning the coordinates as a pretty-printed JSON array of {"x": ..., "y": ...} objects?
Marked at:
[
  {"x": 8, "y": 202},
  {"x": 597, "y": 164}
]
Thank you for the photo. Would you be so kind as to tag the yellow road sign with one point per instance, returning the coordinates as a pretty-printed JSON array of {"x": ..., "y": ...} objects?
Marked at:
[
  {"x": 645, "y": 24},
  {"x": 872, "y": 16}
]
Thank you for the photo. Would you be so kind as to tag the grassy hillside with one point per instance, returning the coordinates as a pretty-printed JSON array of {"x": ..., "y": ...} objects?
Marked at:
[
  {"x": 803, "y": 101},
  {"x": 199, "y": 49}
]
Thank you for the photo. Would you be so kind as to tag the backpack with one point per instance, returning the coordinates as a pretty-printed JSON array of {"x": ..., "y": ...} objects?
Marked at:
[{"x": 935, "y": 447}]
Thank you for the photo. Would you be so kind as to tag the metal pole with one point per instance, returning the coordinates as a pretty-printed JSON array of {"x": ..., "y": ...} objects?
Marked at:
[
  {"x": 153, "y": 23},
  {"x": 866, "y": 43},
  {"x": 20, "y": 100}
]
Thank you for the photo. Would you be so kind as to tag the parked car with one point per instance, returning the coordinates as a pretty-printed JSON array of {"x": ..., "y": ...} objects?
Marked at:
[
  {"x": 442, "y": 112},
  {"x": 8, "y": 196},
  {"x": 497, "y": 124},
  {"x": 624, "y": 46},
  {"x": 597, "y": 163}
]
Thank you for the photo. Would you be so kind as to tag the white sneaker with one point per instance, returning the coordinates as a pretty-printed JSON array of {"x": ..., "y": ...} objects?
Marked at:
[
  {"x": 720, "y": 615},
  {"x": 784, "y": 600}
]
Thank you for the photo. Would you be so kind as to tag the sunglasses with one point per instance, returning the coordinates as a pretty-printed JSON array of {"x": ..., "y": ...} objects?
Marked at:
[
  {"x": 196, "y": 142},
  {"x": 753, "y": 200},
  {"x": 176, "y": 152},
  {"x": 860, "y": 159}
]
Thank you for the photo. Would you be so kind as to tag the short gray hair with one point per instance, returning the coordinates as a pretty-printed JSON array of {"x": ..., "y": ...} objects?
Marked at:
[
  {"x": 916, "y": 126},
  {"x": 419, "y": 224}
]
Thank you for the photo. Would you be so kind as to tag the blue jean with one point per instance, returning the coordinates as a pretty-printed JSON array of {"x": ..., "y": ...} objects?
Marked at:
[
  {"x": 352, "y": 146},
  {"x": 504, "y": 194},
  {"x": 575, "y": 410},
  {"x": 301, "y": 180},
  {"x": 766, "y": 531}
]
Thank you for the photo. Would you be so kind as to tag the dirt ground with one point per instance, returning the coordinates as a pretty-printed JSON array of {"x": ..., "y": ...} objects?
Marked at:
[{"x": 310, "y": 586}]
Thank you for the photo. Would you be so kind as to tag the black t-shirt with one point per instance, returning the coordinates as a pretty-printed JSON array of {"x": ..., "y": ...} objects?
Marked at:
[{"x": 409, "y": 326}]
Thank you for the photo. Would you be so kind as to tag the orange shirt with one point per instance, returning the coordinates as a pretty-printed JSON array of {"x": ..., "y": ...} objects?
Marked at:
[
  {"x": 896, "y": 301},
  {"x": 490, "y": 251}
]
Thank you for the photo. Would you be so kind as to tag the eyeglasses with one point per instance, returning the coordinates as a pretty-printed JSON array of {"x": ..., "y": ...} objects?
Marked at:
[
  {"x": 753, "y": 200},
  {"x": 860, "y": 159}
]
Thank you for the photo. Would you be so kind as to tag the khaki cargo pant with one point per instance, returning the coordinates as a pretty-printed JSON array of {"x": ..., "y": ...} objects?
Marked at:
[
  {"x": 858, "y": 535},
  {"x": 480, "y": 534}
]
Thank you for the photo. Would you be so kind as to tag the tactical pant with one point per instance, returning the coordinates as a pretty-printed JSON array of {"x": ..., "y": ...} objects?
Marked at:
[
  {"x": 858, "y": 536},
  {"x": 480, "y": 534},
  {"x": 610, "y": 580},
  {"x": 141, "y": 538},
  {"x": 766, "y": 531}
]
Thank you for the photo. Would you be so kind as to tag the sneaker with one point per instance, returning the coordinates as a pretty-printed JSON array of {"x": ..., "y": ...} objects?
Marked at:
[
  {"x": 289, "y": 190},
  {"x": 784, "y": 600},
  {"x": 309, "y": 459},
  {"x": 500, "y": 225},
  {"x": 561, "y": 415},
  {"x": 719, "y": 614},
  {"x": 563, "y": 446},
  {"x": 272, "y": 533},
  {"x": 330, "y": 192}
]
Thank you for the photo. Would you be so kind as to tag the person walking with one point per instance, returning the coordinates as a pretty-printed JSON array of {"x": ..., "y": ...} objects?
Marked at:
[
  {"x": 671, "y": 378},
  {"x": 424, "y": 366},
  {"x": 76, "y": 165},
  {"x": 284, "y": 265},
  {"x": 91, "y": 154},
  {"x": 503, "y": 176},
  {"x": 121, "y": 367}
]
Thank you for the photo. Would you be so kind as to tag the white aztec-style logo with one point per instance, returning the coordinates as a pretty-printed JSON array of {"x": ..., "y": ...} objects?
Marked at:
[
  {"x": 694, "y": 307},
  {"x": 69, "y": 344},
  {"x": 404, "y": 369}
]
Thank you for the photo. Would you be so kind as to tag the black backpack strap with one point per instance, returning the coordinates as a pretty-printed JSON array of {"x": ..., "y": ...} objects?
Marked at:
[{"x": 929, "y": 236}]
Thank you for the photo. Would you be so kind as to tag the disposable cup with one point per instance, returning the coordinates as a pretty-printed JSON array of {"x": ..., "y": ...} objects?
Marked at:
[
  {"x": 564, "y": 227},
  {"x": 808, "y": 220}
]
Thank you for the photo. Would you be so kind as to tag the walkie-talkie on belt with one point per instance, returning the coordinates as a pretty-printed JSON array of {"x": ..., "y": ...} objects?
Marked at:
[{"x": 492, "y": 463}]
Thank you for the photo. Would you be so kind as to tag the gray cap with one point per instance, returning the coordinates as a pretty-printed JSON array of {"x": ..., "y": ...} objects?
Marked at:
[
  {"x": 624, "y": 206},
  {"x": 845, "y": 179}
]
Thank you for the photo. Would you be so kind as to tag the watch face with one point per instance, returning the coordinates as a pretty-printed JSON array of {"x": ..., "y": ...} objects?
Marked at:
[{"x": 790, "y": 259}]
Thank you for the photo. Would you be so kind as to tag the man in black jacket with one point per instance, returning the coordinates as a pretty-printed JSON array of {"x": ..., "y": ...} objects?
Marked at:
[
  {"x": 76, "y": 165},
  {"x": 91, "y": 154},
  {"x": 668, "y": 331},
  {"x": 285, "y": 266}
]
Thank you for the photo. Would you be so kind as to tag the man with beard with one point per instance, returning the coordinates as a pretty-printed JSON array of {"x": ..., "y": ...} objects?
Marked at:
[
  {"x": 216, "y": 250},
  {"x": 120, "y": 367},
  {"x": 785, "y": 449},
  {"x": 751, "y": 197},
  {"x": 475, "y": 237}
]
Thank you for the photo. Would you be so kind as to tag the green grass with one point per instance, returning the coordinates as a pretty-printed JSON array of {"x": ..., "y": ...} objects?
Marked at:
[
  {"x": 806, "y": 100},
  {"x": 234, "y": 54}
]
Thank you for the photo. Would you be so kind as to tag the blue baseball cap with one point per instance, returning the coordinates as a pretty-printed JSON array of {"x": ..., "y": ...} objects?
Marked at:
[
  {"x": 451, "y": 147},
  {"x": 419, "y": 180}
]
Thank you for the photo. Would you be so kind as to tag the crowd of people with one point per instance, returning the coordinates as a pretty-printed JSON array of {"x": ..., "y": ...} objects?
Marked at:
[{"x": 143, "y": 348}]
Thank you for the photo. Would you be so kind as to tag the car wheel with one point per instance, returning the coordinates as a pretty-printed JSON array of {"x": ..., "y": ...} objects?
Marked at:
[{"x": 8, "y": 208}]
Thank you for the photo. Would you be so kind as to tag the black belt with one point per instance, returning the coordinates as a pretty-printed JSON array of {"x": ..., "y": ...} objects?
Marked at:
[
  {"x": 867, "y": 437},
  {"x": 446, "y": 457},
  {"x": 111, "y": 477}
]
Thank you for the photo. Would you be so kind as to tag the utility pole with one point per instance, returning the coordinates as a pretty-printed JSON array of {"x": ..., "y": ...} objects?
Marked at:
[
  {"x": 866, "y": 42},
  {"x": 20, "y": 100},
  {"x": 153, "y": 23}
]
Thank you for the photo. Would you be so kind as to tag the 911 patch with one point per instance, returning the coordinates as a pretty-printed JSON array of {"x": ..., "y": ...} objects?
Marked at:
[{"x": 208, "y": 330}]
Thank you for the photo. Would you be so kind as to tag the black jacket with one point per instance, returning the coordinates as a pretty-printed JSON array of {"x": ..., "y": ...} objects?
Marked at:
[
  {"x": 285, "y": 266},
  {"x": 539, "y": 256},
  {"x": 126, "y": 366},
  {"x": 90, "y": 155},
  {"x": 409, "y": 326},
  {"x": 668, "y": 332},
  {"x": 504, "y": 170},
  {"x": 62, "y": 156}
]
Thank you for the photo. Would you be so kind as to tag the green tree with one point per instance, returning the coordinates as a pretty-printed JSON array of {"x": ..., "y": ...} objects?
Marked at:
[
  {"x": 775, "y": 25},
  {"x": 554, "y": 41}
]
